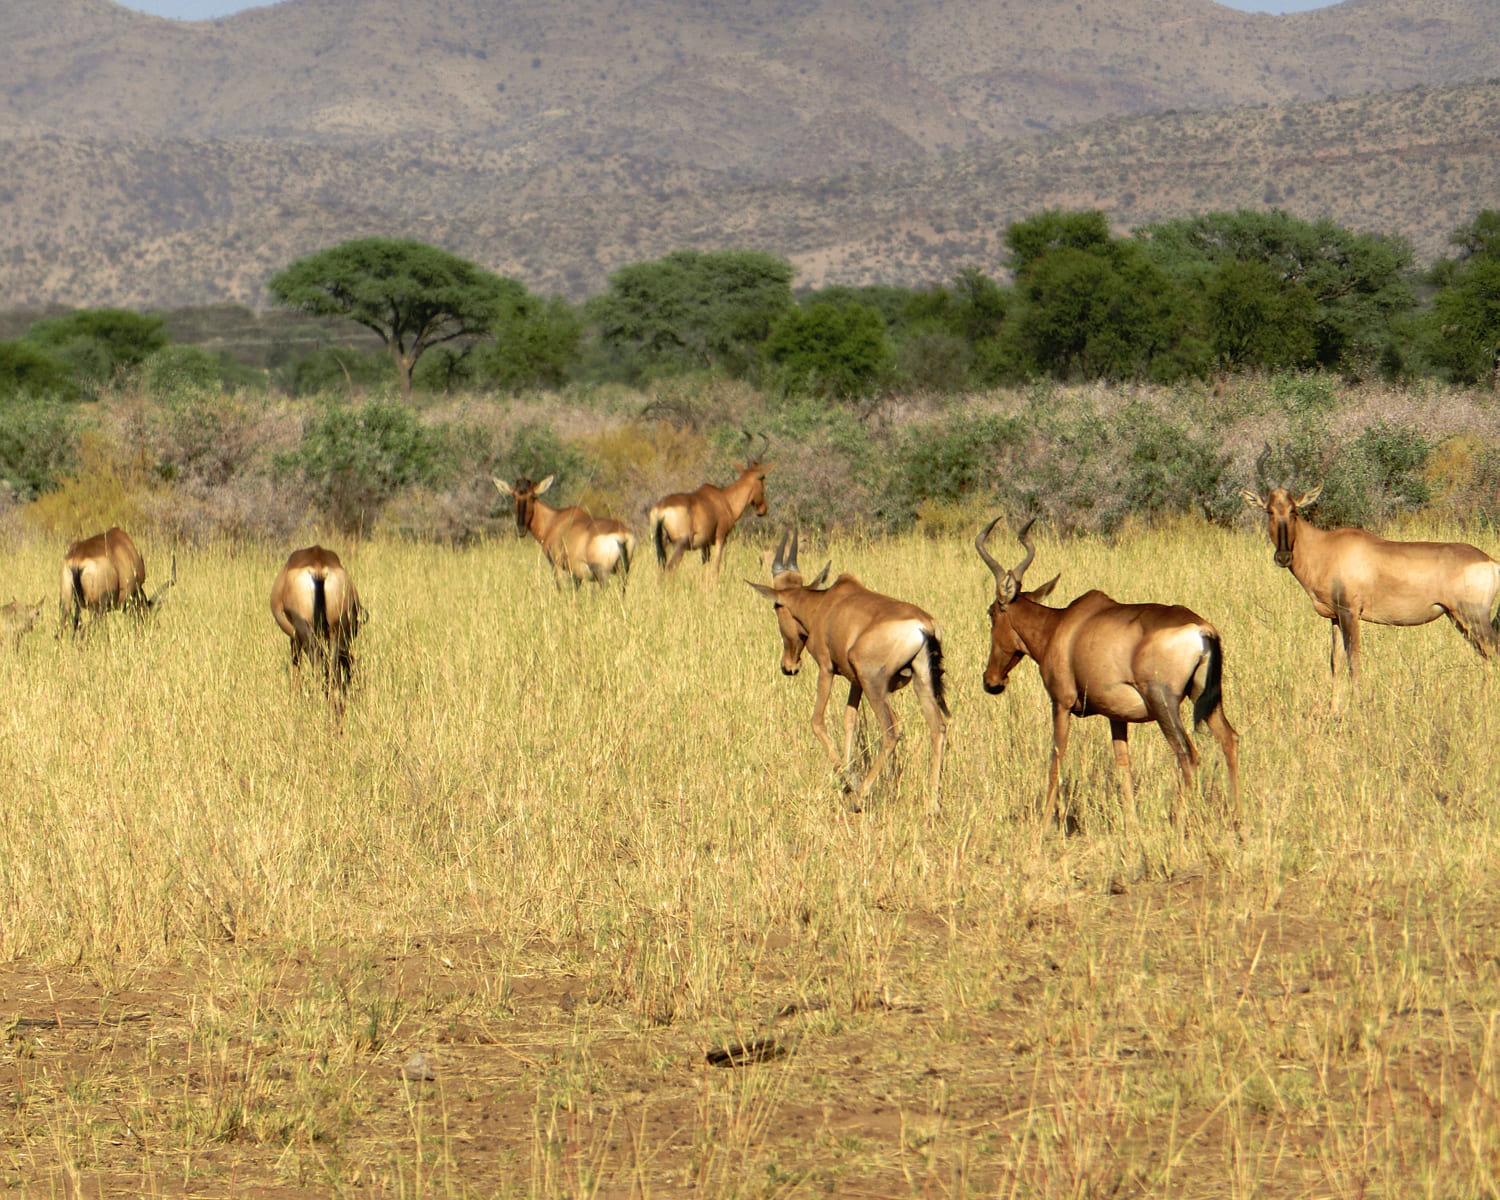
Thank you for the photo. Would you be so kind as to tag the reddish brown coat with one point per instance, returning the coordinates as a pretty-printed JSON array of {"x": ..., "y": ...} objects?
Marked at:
[
  {"x": 877, "y": 643},
  {"x": 1128, "y": 662},
  {"x": 1354, "y": 576}
]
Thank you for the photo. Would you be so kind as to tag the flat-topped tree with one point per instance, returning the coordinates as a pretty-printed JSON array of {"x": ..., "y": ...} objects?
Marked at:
[{"x": 413, "y": 296}]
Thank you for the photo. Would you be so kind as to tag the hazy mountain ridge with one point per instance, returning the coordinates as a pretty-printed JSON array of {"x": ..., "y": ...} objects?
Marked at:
[
  {"x": 686, "y": 82},
  {"x": 179, "y": 222},
  {"x": 151, "y": 162}
]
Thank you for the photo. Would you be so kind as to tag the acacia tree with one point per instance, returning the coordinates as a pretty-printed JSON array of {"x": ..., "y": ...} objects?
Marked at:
[{"x": 413, "y": 296}]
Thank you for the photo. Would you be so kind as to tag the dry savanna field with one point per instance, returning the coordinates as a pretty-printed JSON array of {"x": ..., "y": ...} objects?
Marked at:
[{"x": 582, "y": 854}]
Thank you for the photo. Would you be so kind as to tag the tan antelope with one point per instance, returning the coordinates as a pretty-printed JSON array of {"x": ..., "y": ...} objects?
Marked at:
[
  {"x": 17, "y": 620},
  {"x": 1354, "y": 576},
  {"x": 315, "y": 604},
  {"x": 583, "y": 546},
  {"x": 878, "y": 644},
  {"x": 105, "y": 572},
  {"x": 703, "y": 520},
  {"x": 1128, "y": 662}
]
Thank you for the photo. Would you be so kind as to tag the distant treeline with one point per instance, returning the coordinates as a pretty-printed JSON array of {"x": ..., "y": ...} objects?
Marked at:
[{"x": 1193, "y": 298}]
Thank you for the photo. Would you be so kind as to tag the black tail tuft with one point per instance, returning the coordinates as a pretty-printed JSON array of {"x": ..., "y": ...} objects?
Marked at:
[
  {"x": 625, "y": 554},
  {"x": 77, "y": 573},
  {"x": 1212, "y": 695},
  {"x": 320, "y": 609},
  {"x": 659, "y": 536},
  {"x": 935, "y": 669}
]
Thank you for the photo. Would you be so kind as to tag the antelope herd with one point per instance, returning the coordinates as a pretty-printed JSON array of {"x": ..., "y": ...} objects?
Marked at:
[{"x": 1129, "y": 663}]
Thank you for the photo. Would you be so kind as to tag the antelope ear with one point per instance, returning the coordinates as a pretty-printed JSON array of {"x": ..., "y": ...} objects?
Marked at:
[
  {"x": 1308, "y": 497},
  {"x": 1008, "y": 590},
  {"x": 1045, "y": 590},
  {"x": 1251, "y": 499},
  {"x": 504, "y": 488},
  {"x": 822, "y": 576},
  {"x": 768, "y": 592},
  {"x": 544, "y": 485}
]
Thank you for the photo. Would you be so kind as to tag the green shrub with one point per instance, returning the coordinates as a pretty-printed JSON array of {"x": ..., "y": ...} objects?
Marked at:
[
  {"x": 1168, "y": 470},
  {"x": 534, "y": 451},
  {"x": 352, "y": 460},
  {"x": 192, "y": 368},
  {"x": 98, "y": 342},
  {"x": 27, "y": 371},
  {"x": 333, "y": 371},
  {"x": 953, "y": 462},
  {"x": 38, "y": 447},
  {"x": 835, "y": 350}
]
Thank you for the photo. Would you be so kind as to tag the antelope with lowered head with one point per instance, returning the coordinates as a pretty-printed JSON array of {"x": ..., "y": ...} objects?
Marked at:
[
  {"x": 314, "y": 602},
  {"x": 105, "y": 572},
  {"x": 583, "y": 546},
  {"x": 703, "y": 520},
  {"x": 1128, "y": 662},
  {"x": 878, "y": 644},
  {"x": 1354, "y": 576}
]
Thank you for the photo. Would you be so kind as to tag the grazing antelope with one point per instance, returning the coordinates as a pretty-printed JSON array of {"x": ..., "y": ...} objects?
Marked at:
[
  {"x": 584, "y": 546},
  {"x": 105, "y": 572},
  {"x": 878, "y": 644},
  {"x": 316, "y": 606},
  {"x": 1354, "y": 576},
  {"x": 703, "y": 520},
  {"x": 17, "y": 620},
  {"x": 1128, "y": 662}
]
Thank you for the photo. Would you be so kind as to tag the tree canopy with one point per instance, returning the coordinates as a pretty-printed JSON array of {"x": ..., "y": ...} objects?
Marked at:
[
  {"x": 413, "y": 296},
  {"x": 692, "y": 309}
]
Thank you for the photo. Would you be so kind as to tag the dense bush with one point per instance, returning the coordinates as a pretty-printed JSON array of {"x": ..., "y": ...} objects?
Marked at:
[
  {"x": 26, "y": 370},
  {"x": 352, "y": 460},
  {"x": 332, "y": 370},
  {"x": 98, "y": 343},
  {"x": 835, "y": 350},
  {"x": 38, "y": 446}
]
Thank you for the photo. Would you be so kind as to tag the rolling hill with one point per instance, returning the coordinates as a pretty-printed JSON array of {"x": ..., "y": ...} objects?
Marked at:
[{"x": 152, "y": 162}]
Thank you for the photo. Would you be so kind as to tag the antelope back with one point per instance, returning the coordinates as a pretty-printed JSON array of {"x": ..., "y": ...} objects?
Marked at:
[
  {"x": 105, "y": 571},
  {"x": 308, "y": 573}
]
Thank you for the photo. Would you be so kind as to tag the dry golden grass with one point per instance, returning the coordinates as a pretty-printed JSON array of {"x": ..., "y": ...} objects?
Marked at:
[{"x": 563, "y": 844}]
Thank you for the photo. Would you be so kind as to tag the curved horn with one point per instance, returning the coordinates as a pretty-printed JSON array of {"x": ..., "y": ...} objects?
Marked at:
[
  {"x": 791, "y": 564},
  {"x": 1260, "y": 469},
  {"x": 1023, "y": 533},
  {"x": 156, "y": 599},
  {"x": 989, "y": 559},
  {"x": 765, "y": 444},
  {"x": 777, "y": 566}
]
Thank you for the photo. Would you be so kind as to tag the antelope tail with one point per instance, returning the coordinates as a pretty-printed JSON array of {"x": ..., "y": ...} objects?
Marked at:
[
  {"x": 1212, "y": 694},
  {"x": 78, "y": 605},
  {"x": 320, "y": 608},
  {"x": 934, "y": 650},
  {"x": 658, "y": 535},
  {"x": 627, "y": 547}
]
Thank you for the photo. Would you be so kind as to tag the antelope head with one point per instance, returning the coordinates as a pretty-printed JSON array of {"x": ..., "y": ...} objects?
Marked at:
[
  {"x": 786, "y": 581},
  {"x": 524, "y": 493},
  {"x": 1006, "y": 647},
  {"x": 1280, "y": 509}
]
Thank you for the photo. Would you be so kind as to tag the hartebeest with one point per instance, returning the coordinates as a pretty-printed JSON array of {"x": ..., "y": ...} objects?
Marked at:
[
  {"x": 1354, "y": 576},
  {"x": 583, "y": 546},
  {"x": 703, "y": 520},
  {"x": 316, "y": 606},
  {"x": 878, "y": 644},
  {"x": 105, "y": 572},
  {"x": 1128, "y": 662}
]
